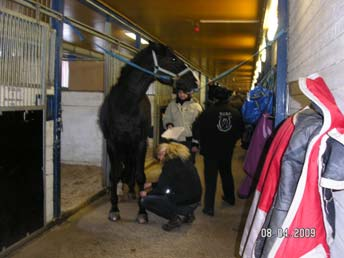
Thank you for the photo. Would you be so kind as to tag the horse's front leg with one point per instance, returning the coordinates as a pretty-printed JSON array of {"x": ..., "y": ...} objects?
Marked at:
[
  {"x": 129, "y": 175},
  {"x": 142, "y": 216},
  {"x": 115, "y": 172}
]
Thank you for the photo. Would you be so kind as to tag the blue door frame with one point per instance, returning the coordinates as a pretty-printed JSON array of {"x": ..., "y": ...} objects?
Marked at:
[
  {"x": 282, "y": 64},
  {"x": 57, "y": 5}
]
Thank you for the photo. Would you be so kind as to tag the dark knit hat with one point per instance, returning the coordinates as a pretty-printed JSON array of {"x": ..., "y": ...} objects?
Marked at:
[{"x": 219, "y": 93}]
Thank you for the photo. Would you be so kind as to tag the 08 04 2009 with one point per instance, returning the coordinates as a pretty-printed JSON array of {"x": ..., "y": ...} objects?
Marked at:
[{"x": 288, "y": 233}]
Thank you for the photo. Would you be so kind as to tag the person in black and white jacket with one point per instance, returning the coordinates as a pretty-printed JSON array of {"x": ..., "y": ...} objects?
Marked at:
[{"x": 217, "y": 129}]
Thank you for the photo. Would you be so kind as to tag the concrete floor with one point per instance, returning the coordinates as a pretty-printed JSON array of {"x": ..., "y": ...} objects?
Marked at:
[{"x": 89, "y": 233}]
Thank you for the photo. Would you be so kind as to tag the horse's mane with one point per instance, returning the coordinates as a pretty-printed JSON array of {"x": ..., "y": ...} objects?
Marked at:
[{"x": 140, "y": 59}]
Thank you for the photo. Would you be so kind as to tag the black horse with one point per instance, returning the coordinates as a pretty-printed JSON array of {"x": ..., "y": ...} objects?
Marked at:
[{"x": 125, "y": 117}]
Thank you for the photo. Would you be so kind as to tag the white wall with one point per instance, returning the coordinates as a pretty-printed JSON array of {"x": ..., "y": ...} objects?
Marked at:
[
  {"x": 316, "y": 45},
  {"x": 81, "y": 137}
]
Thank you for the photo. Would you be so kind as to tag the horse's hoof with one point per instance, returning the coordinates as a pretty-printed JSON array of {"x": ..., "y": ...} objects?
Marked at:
[
  {"x": 131, "y": 196},
  {"x": 142, "y": 218},
  {"x": 114, "y": 216}
]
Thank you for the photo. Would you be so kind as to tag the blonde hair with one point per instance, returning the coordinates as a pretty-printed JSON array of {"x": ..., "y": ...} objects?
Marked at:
[{"x": 174, "y": 150}]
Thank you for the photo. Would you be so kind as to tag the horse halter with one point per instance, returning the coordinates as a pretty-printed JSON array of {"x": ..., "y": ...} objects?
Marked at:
[{"x": 174, "y": 77}]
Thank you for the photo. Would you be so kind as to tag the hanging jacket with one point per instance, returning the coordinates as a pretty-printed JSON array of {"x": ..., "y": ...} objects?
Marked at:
[
  {"x": 255, "y": 153},
  {"x": 259, "y": 101},
  {"x": 306, "y": 210},
  {"x": 266, "y": 188},
  {"x": 308, "y": 124},
  {"x": 306, "y": 228},
  {"x": 332, "y": 183}
]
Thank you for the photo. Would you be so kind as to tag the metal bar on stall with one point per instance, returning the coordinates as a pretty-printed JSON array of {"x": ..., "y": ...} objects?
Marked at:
[
  {"x": 30, "y": 48},
  {"x": 138, "y": 41},
  {"x": 44, "y": 53},
  {"x": 15, "y": 57},
  {"x": 21, "y": 108},
  {"x": 99, "y": 5},
  {"x": 5, "y": 74},
  {"x": 52, "y": 41},
  {"x": 20, "y": 61},
  {"x": 58, "y": 16},
  {"x": 27, "y": 59},
  {"x": 107, "y": 84}
]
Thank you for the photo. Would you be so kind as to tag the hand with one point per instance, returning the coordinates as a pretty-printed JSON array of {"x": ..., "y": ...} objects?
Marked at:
[
  {"x": 194, "y": 149},
  {"x": 147, "y": 185},
  {"x": 169, "y": 126},
  {"x": 143, "y": 194}
]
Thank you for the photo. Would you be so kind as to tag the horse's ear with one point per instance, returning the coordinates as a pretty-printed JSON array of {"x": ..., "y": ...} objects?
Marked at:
[
  {"x": 159, "y": 48},
  {"x": 151, "y": 43}
]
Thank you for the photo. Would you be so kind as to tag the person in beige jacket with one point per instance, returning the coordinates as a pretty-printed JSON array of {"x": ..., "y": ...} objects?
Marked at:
[{"x": 182, "y": 112}]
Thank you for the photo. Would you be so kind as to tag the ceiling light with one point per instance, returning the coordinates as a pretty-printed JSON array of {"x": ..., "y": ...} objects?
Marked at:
[
  {"x": 228, "y": 21},
  {"x": 271, "y": 19},
  {"x": 263, "y": 55},
  {"x": 133, "y": 36},
  {"x": 259, "y": 66},
  {"x": 144, "y": 42},
  {"x": 262, "y": 50}
]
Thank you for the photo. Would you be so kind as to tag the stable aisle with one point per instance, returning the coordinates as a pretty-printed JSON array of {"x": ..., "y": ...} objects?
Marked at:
[{"x": 90, "y": 234}]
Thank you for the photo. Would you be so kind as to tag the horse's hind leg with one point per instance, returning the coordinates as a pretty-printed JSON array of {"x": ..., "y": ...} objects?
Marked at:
[
  {"x": 142, "y": 216},
  {"x": 115, "y": 172}
]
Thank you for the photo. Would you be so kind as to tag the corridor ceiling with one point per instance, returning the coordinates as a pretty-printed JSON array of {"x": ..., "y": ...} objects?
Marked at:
[{"x": 214, "y": 35}]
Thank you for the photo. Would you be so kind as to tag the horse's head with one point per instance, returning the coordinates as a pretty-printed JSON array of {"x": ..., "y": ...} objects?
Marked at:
[{"x": 169, "y": 66}]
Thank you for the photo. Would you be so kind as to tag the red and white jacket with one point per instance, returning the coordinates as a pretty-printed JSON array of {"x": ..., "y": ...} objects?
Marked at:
[{"x": 306, "y": 210}]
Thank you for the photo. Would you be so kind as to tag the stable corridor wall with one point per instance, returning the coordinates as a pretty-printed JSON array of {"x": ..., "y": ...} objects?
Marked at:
[
  {"x": 81, "y": 138},
  {"x": 316, "y": 45}
]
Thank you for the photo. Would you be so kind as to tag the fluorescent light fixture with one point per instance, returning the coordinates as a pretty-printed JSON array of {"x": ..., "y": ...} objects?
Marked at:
[
  {"x": 263, "y": 55},
  {"x": 144, "y": 42},
  {"x": 133, "y": 36},
  {"x": 259, "y": 66},
  {"x": 228, "y": 21},
  {"x": 262, "y": 50},
  {"x": 256, "y": 74},
  {"x": 272, "y": 30},
  {"x": 271, "y": 19}
]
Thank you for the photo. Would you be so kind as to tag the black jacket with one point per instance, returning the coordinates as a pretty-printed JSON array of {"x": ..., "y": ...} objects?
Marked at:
[
  {"x": 179, "y": 181},
  {"x": 217, "y": 129}
]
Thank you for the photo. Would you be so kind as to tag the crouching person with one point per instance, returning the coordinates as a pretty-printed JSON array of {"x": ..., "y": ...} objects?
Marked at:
[{"x": 178, "y": 191}]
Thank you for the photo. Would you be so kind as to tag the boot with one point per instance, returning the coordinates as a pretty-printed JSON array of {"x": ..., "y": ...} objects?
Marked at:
[
  {"x": 229, "y": 201},
  {"x": 188, "y": 219},
  {"x": 175, "y": 222}
]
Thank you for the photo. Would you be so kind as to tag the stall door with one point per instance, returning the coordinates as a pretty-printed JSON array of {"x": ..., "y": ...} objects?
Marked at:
[
  {"x": 24, "y": 58},
  {"x": 21, "y": 180}
]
